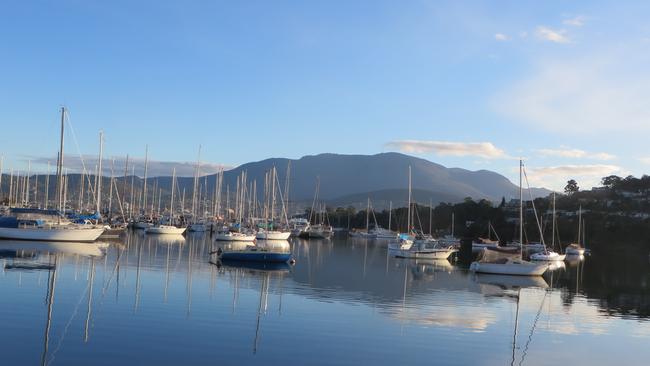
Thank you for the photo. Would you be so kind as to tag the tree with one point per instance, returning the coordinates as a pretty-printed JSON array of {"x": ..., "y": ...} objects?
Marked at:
[
  {"x": 611, "y": 181},
  {"x": 571, "y": 187}
]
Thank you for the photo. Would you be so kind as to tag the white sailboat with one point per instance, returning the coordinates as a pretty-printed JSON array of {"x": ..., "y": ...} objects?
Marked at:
[
  {"x": 197, "y": 224},
  {"x": 48, "y": 225},
  {"x": 168, "y": 229},
  {"x": 269, "y": 232},
  {"x": 549, "y": 255},
  {"x": 497, "y": 262},
  {"x": 322, "y": 229},
  {"x": 409, "y": 247},
  {"x": 577, "y": 249},
  {"x": 482, "y": 243}
]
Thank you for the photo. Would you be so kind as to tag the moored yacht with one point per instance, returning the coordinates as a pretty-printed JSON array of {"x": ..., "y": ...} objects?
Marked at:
[
  {"x": 45, "y": 225},
  {"x": 509, "y": 261}
]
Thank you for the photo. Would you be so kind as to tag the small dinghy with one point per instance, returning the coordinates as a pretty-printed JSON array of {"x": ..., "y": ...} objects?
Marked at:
[{"x": 548, "y": 256}]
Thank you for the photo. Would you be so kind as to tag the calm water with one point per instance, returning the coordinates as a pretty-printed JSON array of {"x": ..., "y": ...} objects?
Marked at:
[{"x": 160, "y": 301}]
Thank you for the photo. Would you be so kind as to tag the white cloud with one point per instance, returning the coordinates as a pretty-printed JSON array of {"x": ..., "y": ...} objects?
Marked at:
[
  {"x": 154, "y": 167},
  {"x": 601, "y": 92},
  {"x": 555, "y": 177},
  {"x": 645, "y": 160},
  {"x": 576, "y": 170},
  {"x": 577, "y": 21},
  {"x": 484, "y": 150},
  {"x": 548, "y": 34},
  {"x": 575, "y": 154},
  {"x": 501, "y": 37}
]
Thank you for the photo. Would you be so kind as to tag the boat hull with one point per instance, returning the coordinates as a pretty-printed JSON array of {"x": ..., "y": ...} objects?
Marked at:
[
  {"x": 478, "y": 247},
  {"x": 167, "y": 230},
  {"x": 512, "y": 269},
  {"x": 233, "y": 237},
  {"x": 273, "y": 235},
  {"x": 142, "y": 225},
  {"x": 197, "y": 228},
  {"x": 83, "y": 235},
  {"x": 256, "y": 256},
  {"x": 542, "y": 257},
  {"x": 317, "y": 234},
  {"x": 575, "y": 252},
  {"x": 424, "y": 254}
]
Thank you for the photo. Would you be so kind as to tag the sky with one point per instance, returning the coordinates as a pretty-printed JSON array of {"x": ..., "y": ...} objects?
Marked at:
[{"x": 470, "y": 84}]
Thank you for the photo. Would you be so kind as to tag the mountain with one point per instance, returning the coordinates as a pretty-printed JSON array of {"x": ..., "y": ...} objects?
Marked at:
[{"x": 350, "y": 179}]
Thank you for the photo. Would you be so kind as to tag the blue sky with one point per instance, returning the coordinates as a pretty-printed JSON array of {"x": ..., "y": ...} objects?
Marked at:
[{"x": 471, "y": 84}]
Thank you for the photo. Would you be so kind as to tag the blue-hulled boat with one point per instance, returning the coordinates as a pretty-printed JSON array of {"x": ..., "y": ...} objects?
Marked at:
[
  {"x": 274, "y": 267},
  {"x": 254, "y": 254}
]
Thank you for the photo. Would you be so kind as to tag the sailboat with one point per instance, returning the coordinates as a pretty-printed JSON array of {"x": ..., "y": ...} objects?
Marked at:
[
  {"x": 409, "y": 247},
  {"x": 322, "y": 229},
  {"x": 48, "y": 225},
  {"x": 197, "y": 224},
  {"x": 549, "y": 255},
  {"x": 495, "y": 261},
  {"x": 450, "y": 239},
  {"x": 577, "y": 249},
  {"x": 159, "y": 228},
  {"x": 482, "y": 243},
  {"x": 143, "y": 221},
  {"x": 269, "y": 232},
  {"x": 376, "y": 232}
]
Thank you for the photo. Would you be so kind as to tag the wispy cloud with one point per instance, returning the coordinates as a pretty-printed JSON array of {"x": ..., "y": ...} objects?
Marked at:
[
  {"x": 501, "y": 37},
  {"x": 645, "y": 160},
  {"x": 577, "y": 21},
  {"x": 551, "y": 35},
  {"x": 602, "y": 92},
  {"x": 485, "y": 150},
  {"x": 575, "y": 154},
  {"x": 555, "y": 177},
  {"x": 576, "y": 170},
  {"x": 154, "y": 167}
]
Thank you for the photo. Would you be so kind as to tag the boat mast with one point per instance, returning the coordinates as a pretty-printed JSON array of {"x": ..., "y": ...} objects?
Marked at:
[
  {"x": 521, "y": 211},
  {"x": 59, "y": 165},
  {"x": 171, "y": 203},
  {"x": 2, "y": 160},
  {"x": 99, "y": 173},
  {"x": 390, "y": 212},
  {"x": 144, "y": 185},
  {"x": 286, "y": 187},
  {"x": 195, "y": 186},
  {"x": 368, "y": 216},
  {"x": 580, "y": 226},
  {"x": 430, "y": 216},
  {"x": 553, "y": 225},
  {"x": 47, "y": 185},
  {"x": 453, "y": 222},
  {"x": 408, "y": 221}
]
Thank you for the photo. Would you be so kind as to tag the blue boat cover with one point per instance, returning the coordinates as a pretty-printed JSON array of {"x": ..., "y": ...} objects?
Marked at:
[
  {"x": 8, "y": 222},
  {"x": 18, "y": 210}
]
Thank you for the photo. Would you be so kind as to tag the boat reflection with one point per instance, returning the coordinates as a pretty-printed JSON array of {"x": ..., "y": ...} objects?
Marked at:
[
  {"x": 278, "y": 245},
  {"x": 492, "y": 284},
  {"x": 170, "y": 239},
  {"x": 34, "y": 249},
  {"x": 555, "y": 266},
  {"x": 261, "y": 267}
]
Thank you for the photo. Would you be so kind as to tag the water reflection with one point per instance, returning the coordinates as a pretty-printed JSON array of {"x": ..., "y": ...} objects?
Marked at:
[{"x": 154, "y": 299}]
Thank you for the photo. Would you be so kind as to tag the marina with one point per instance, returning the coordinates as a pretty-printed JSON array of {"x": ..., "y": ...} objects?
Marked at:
[
  {"x": 157, "y": 300},
  {"x": 324, "y": 183}
]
